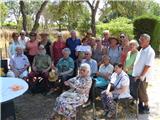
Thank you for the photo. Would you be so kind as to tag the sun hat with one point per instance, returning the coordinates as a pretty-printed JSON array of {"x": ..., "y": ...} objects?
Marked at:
[{"x": 53, "y": 76}]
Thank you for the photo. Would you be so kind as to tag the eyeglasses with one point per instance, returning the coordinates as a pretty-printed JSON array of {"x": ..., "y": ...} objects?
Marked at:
[
  {"x": 82, "y": 70},
  {"x": 86, "y": 53}
]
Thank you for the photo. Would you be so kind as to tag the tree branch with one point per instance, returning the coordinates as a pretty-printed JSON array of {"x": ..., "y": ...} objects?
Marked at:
[
  {"x": 89, "y": 4},
  {"x": 36, "y": 23},
  {"x": 22, "y": 9},
  {"x": 97, "y": 4}
]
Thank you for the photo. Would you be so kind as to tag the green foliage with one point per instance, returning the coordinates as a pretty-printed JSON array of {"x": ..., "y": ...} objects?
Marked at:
[
  {"x": 70, "y": 14},
  {"x": 13, "y": 7},
  {"x": 3, "y": 12},
  {"x": 148, "y": 24},
  {"x": 116, "y": 26},
  {"x": 129, "y": 9},
  {"x": 84, "y": 22},
  {"x": 29, "y": 24}
]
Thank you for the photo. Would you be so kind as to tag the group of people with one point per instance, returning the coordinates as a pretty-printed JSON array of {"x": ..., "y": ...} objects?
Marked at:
[{"x": 111, "y": 61}]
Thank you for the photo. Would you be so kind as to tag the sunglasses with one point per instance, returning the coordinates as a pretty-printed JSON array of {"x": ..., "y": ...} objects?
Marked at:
[
  {"x": 122, "y": 36},
  {"x": 32, "y": 35}
]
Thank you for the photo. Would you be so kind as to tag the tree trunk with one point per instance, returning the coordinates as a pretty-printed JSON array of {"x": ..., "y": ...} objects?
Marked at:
[
  {"x": 24, "y": 21},
  {"x": 59, "y": 28},
  {"x": 36, "y": 23},
  {"x": 93, "y": 14},
  {"x": 93, "y": 23}
]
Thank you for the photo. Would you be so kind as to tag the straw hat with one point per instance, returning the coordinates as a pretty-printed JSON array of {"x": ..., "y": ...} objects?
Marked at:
[{"x": 53, "y": 76}]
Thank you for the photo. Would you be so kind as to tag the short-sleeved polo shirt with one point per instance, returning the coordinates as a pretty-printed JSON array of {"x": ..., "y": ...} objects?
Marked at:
[
  {"x": 144, "y": 58},
  {"x": 19, "y": 61}
]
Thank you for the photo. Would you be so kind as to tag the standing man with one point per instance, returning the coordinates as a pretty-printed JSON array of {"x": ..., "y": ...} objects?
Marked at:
[
  {"x": 142, "y": 71},
  {"x": 72, "y": 43}
]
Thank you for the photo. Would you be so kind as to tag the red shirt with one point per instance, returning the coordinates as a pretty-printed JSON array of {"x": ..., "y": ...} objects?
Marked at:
[{"x": 57, "y": 48}]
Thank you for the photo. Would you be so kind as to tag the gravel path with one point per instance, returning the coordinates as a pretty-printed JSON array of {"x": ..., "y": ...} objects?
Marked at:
[{"x": 39, "y": 107}]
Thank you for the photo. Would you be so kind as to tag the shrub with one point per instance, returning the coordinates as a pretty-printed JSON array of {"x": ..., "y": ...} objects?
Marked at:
[
  {"x": 148, "y": 24},
  {"x": 116, "y": 26}
]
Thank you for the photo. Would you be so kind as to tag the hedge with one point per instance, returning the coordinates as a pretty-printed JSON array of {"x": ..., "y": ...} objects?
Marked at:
[{"x": 148, "y": 24}]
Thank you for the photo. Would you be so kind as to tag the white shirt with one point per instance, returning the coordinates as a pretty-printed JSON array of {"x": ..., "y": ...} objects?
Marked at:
[
  {"x": 106, "y": 69},
  {"x": 83, "y": 48},
  {"x": 144, "y": 58},
  {"x": 119, "y": 81},
  {"x": 23, "y": 41},
  {"x": 19, "y": 62}
]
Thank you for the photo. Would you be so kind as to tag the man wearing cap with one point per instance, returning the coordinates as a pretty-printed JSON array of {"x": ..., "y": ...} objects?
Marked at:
[
  {"x": 46, "y": 42},
  {"x": 142, "y": 71},
  {"x": 41, "y": 66},
  {"x": 90, "y": 61},
  {"x": 72, "y": 43},
  {"x": 18, "y": 64}
]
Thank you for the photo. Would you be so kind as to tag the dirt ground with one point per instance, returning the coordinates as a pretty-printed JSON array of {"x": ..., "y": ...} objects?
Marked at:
[{"x": 39, "y": 107}]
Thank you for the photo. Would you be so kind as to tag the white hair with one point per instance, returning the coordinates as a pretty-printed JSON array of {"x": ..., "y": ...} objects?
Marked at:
[
  {"x": 19, "y": 46},
  {"x": 134, "y": 42},
  {"x": 67, "y": 50},
  {"x": 146, "y": 36},
  {"x": 88, "y": 51},
  {"x": 59, "y": 34},
  {"x": 106, "y": 31},
  {"x": 87, "y": 66}
]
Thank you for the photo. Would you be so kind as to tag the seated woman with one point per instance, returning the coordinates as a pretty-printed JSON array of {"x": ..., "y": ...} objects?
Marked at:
[
  {"x": 77, "y": 95},
  {"x": 104, "y": 73},
  {"x": 65, "y": 65},
  {"x": 120, "y": 81}
]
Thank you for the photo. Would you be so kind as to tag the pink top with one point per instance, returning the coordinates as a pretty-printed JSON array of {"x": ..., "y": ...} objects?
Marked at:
[{"x": 32, "y": 47}]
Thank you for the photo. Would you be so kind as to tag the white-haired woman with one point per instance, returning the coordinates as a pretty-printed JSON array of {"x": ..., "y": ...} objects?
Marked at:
[
  {"x": 131, "y": 56},
  {"x": 77, "y": 95},
  {"x": 65, "y": 65}
]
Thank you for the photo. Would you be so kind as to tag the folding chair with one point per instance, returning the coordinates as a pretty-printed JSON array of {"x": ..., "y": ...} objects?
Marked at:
[{"x": 126, "y": 101}]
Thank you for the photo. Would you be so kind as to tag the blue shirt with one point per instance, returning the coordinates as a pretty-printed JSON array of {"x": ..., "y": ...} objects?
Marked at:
[
  {"x": 64, "y": 65},
  {"x": 93, "y": 65},
  {"x": 114, "y": 54},
  {"x": 72, "y": 44}
]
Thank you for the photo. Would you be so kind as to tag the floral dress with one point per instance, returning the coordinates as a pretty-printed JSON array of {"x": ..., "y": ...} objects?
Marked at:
[{"x": 68, "y": 101}]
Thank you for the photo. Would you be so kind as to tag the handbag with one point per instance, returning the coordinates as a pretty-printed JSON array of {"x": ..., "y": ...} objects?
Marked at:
[{"x": 114, "y": 86}]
